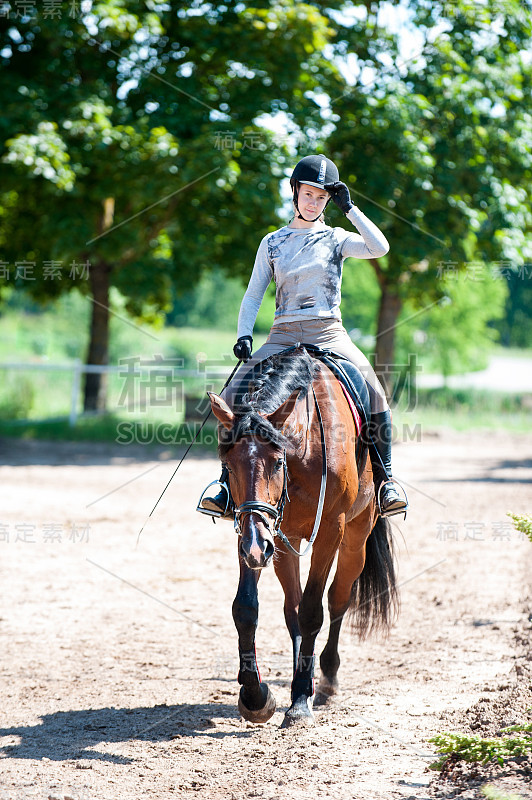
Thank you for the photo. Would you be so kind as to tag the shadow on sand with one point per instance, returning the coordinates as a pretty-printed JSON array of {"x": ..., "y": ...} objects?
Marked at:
[{"x": 75, "y": 735}]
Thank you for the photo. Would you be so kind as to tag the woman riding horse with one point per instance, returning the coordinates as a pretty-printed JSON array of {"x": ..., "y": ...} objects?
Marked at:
[
  {"x": 297, "y": 471},
  {"x": 305, "y": 259}
]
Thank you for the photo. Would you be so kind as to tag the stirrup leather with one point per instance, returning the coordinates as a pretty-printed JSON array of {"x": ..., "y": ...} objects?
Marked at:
[
  {"x": 391, "y": 511},
  {"x": 209, "y": 511}
]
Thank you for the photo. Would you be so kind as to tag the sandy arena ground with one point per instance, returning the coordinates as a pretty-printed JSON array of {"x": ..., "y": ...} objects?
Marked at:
[{"x": 119, "y": 661}]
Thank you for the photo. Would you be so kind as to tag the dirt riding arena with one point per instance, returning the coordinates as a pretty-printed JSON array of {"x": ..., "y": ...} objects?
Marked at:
[{"x": 119, "y": 661}]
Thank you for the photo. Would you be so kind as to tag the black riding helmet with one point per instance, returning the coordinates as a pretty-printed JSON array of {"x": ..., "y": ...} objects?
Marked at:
[{"x": 315, "y": 171}]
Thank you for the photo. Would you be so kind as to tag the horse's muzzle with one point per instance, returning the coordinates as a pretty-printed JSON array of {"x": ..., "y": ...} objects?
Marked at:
[{"x": 256, "y": 549}]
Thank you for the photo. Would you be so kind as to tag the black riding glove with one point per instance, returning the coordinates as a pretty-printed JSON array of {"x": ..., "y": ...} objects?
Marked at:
[
  {"x": 340, "y": 195},
  {"x": 243, "y": 347}
]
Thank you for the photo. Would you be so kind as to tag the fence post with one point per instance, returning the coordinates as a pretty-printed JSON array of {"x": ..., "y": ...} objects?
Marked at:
[{"x": 74, "y": 397}]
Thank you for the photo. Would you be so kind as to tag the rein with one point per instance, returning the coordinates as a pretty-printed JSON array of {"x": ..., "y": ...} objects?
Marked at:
[
  {"x": 185, "y": 454},
  {"x": 276, "y": 512}
]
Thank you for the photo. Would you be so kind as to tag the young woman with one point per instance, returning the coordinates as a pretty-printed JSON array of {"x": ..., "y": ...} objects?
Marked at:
[{"x": 305, "y": 259}]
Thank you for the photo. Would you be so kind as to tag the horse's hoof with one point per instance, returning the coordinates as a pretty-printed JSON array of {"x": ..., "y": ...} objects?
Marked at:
[
  {"x": 259, "y": 715},
  {"x": 300, "y": 714},
  {"x": 325, "y": 691},
  {"x": 321, "y": 698}
]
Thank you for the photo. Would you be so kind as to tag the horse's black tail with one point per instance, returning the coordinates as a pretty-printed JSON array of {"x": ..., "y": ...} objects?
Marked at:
[{"x": 374, "y": 597}]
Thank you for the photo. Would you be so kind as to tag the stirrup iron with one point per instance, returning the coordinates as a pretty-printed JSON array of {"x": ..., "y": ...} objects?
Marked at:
[
  {"x": 391, "y": 511},
  {"x": 209, "y": 511}
]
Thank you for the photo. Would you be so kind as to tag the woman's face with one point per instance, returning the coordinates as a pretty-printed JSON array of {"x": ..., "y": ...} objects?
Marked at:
[{"x": 311, "y": 201}]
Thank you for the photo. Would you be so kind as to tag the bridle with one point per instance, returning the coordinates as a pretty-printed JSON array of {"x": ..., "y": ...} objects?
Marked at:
[
  {"x": 272, "y": 515},
  {"x": 261, "y": 508}
]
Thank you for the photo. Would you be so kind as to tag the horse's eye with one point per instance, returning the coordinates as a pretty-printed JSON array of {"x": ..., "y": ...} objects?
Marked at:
[{"x": 278, "y": 464}]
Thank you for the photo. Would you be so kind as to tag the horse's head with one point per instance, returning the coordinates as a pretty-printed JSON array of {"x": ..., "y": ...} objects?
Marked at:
[{"x": 253, "y": 447}]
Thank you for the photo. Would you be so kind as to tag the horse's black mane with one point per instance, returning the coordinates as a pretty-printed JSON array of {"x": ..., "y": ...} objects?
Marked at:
[{"x": 264, "y": 390}]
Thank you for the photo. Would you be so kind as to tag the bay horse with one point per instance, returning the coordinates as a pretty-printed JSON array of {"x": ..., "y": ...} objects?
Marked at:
[{"x": 293, "y": 423}]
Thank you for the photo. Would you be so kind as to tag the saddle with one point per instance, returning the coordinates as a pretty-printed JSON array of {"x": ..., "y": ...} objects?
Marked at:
[{"x": 355, "y": 390}]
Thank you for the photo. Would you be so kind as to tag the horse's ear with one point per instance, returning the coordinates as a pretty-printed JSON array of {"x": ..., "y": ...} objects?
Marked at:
[
  {"x": 221, "y": 411},
  {"x": 281, "y": 414}
]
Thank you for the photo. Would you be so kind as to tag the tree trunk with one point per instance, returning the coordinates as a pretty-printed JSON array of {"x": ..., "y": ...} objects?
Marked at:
[
  {"x": 389, "y": 310},
  {"x": 95, "y": 398},
  {"x": 95, "y": 392}
]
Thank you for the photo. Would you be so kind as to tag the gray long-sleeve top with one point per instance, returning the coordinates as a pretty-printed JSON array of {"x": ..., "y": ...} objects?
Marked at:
[{"x": 306, "y": 264}]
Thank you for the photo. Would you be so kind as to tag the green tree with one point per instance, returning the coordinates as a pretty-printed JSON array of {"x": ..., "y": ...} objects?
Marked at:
[
  {"x": 440, "y": 156},
  {"x": 515, "y": 327},
  {"x": 460, "y": 329},
  {"x": 129, "y": 143},
  {"x": 213, "y": 302},
  {"x": 360, "y": 297}
]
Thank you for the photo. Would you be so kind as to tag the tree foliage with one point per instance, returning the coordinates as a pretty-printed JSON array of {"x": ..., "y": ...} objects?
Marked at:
[
  {"x": 133, "y": 139},
  {"x": 458, "y": 332},
  {"x": 439, "y": 154},
  {"x": 129, "y": 142},
  {"x": 515, "y": 326}
]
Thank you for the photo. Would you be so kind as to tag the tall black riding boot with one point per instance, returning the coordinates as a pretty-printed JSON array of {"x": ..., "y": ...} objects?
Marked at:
[
  {"x": 389, "y": 500},
  {"x": 220, "y": 504}
]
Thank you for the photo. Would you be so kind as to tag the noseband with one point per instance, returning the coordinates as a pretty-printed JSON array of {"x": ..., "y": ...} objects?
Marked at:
[{"x": 265, "y": 510}]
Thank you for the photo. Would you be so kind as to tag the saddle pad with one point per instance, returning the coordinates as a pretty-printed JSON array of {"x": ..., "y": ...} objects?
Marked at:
[
  {"x": 350, "y": 378},
  {"x": 354, "y": 410}
]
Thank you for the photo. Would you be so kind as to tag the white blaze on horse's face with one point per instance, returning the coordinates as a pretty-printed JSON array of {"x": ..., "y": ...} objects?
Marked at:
[{"x": 256, "y": 475}]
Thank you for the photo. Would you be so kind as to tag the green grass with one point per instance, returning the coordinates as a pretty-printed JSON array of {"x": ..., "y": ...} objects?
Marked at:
[
  {"x": 493, "y": 793},
  {"x": 139, "y": 426},
  {"x": 476, "y": 748},
  {"x": 58, "y": 334},
  {"x": 463, "y": 410},
  {"x": 116, "y": 429},
  {"x": 426, "y": 418},
  {"x": 522, "y": 523}
]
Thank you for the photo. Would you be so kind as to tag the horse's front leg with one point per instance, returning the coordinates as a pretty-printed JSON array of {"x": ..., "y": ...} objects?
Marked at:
[
  {"x": 287, "y": 570},
  {"x": 255, "y": 703},
  {"x": 302, "y": 690}
]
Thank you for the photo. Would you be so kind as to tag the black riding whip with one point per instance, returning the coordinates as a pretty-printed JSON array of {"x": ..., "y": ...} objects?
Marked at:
[{"x": 229, "y": 379}]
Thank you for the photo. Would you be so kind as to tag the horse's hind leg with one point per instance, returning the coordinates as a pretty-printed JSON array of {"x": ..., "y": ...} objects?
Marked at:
[
  {"x": 255, "y": 703},
  {"x": 351, "y": 559}
]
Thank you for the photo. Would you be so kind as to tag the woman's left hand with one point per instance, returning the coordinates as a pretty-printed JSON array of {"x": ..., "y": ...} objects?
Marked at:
[
  {"x": 340, "y": 195},
  {"x": 243, "y": 348}
]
